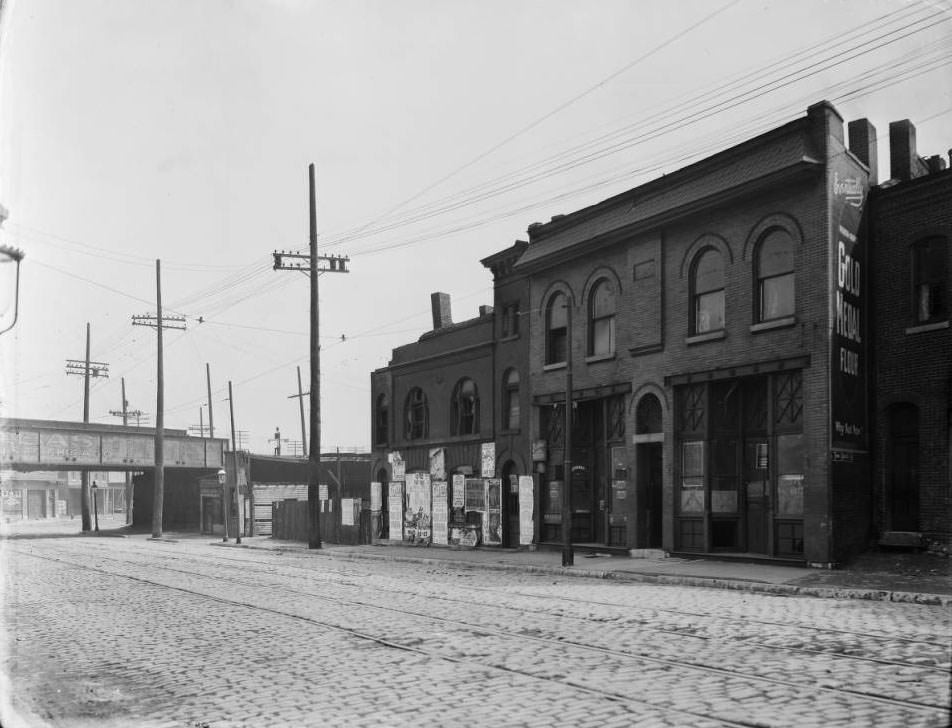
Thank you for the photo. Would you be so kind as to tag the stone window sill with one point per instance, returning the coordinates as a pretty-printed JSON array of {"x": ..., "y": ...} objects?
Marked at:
[
  {"x": 780, "y": 323},
  {"x": 709, "y": 336},
  {"x": 594, "y": 358},
  {"x": 554, "y": 367},
  {"x": 937, "y": 326}
]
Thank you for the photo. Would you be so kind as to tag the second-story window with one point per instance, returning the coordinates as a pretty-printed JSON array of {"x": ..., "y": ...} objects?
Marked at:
[
  {"x": 510, "y": 403},
  {"x": 510, "y": 320},
  {"x": 929, "y": 293},
  {"x": 416, "y": 415},
  {"x": 776, "y": 294},
  {"x": 464, "y": 408},
  {"x": 382, "y": 419},
  {"x": 602, "y": 319},
  {"x": 556, "y": 329},
  {"x": 707, "y": 292}
]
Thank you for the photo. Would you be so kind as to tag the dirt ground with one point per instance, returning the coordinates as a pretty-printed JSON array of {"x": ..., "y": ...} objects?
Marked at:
[{"x": 894, "y": 570}]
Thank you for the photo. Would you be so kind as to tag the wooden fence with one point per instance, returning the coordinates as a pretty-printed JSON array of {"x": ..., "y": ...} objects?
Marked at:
[{"x": 289, "y": 523}]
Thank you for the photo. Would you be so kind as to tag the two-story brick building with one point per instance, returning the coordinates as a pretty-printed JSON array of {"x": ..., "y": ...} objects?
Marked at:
[{"x": 711, "y": 330}]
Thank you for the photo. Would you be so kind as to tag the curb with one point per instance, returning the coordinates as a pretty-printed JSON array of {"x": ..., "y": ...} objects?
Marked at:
[{"x": 823, "y": 592}]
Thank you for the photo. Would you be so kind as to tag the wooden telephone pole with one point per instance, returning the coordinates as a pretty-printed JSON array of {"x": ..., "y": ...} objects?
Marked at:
[
  {"x": 335, "y": 264},
  {"x": 159, "y": 322},
  {"x": 300, "y": 398},
  {"x": 87, "y": 369}
]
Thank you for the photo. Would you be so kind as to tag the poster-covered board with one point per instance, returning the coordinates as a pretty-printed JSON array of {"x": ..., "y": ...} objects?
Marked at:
[
  {"x": 347, "y": 511},
  {"x": 459, "y": 490},
  {"x": 526, "y": 514},
  {"x": 438, "y": 463},
  {"x": 492, "y": 520},
  {"x": 395, "y": 503},
  {"x": 417, "y": 519},
  {"x": 376, "y": 496},
  {"x": 440, "y": 521},
  {"x": 398, "y": 468}
]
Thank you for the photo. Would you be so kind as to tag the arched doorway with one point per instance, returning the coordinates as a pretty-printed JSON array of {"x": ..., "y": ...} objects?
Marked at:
[
  {"x": 649, "y": 436},
  {"x": 903, "y": 467}
]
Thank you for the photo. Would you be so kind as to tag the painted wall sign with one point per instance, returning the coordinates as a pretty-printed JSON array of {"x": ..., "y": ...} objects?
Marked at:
[{"x": 848, "y": 365}]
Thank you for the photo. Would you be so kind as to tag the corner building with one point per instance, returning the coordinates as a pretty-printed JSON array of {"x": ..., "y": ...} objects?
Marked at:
[{"x": 712, "y": 324}]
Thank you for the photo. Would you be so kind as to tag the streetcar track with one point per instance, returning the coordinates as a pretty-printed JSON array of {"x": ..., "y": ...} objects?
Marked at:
[
  {"x": 474, "y": 628},
  {"x": 615, "y": 697},
  {"x": 645, "y": 626}
]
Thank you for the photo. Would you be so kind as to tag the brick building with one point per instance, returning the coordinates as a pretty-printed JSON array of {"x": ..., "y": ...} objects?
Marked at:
[
  {"x": 449, "y": 414},
  {"x": 911, "y": 247},
  {"x": 711, "y": 330}
]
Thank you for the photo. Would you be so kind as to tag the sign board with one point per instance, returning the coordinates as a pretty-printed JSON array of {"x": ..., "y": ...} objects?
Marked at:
[
  {"x": 376, "y": 496},
  {"x": 438, "y": 463},
  {"x": 322, "y": 491},
  {"x": 395, "y": 510},
  {"x": 526, "y": 510},
  {"x": 418, "y": 516},
  {"x": 459, "y": 491},
  {"x": 539, "y": 451},
  {"x": 398, "y": 468},
  {"x": 440, "y": 523},
  {"x": 347, "y": 511}
]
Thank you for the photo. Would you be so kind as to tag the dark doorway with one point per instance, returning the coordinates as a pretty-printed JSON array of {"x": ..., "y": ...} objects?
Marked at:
[
  {"x": 650, "y": 479},
  {"x": 510, "y": 490},
  {"x": 903, "y": 467}
]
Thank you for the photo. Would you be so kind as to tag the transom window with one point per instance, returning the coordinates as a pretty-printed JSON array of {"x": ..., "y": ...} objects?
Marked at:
[
  {"x": 417, "y": 415},
  {"x": 708, "y": 292},
  {"x": 556, "y": 329},
  {"x": 511, "y": 400},
  {"x": 602, "y": 319},
  {"x": 929, "y": 281},
  {"x": 776, "y": 293},
  {"x": 464, "y": 408}
]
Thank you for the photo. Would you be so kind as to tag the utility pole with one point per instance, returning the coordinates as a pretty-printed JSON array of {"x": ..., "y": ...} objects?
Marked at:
[
  {"x": 234, "y": 455},
  {"x": 211, "y": 417},
  {"x": 125, "y": 413},
  {"x": 335, "y": 264},
  {"x": 300, "y": 397},
  {"x": 87, "y": 369},
  {"x": 159, "y": 322},
  {"x": 568, "y": 553}
]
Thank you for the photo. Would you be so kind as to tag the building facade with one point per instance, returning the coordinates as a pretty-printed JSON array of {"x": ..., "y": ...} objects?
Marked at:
[
  {"x": 708, "y": 335},
  {"x": 911, "y": 245}
]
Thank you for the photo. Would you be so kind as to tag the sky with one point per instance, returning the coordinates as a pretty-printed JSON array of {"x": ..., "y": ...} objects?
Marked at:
[{"x": 182, "y": 131}]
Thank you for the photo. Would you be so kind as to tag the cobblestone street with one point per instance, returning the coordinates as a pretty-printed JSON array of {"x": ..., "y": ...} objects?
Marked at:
[{"x": 133, "y": 632}]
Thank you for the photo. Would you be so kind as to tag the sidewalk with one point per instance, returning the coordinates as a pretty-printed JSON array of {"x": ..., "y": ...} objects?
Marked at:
[{"x": 921, "y": 578}]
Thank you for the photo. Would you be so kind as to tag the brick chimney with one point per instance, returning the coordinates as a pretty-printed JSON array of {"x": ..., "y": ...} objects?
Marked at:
[
  {"x": 863, "y": 145},
  {"x": 904, "y": 162},
  {"x": 440, "y": 305}
]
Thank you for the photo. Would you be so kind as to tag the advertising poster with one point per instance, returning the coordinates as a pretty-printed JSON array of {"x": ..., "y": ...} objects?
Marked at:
[
  {"x": 416, "y": 521},
  {"x": 322, "y": 491},
  {"x": 395, "y": 503},
  {"x": 488, "y": 459},
  {"x": 492, "y": 520},
  {"x": 438, "y": 464},
  {"x": 848, "y": 337},
  {"x": 459, "y": 491},
  {"x": 526, "y": 510},
  {"x": 376, "y": 497},
  {"x": 347, "y": 511},
  {"x": 398, "y": 468},
  {"x": 441, "y": 508}
]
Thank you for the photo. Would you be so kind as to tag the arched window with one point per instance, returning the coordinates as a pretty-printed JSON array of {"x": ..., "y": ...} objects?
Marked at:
[
  {"x": 707, "y": 292},
  {"x": 464, "y": 408},
  {"x": 601, "y": 312},
  {"x": 382, "y": 419},
  {"x": 776, "y": 293},
  {"x": 648, "y": 415},
  {"x": 929, "y": 294},
  {"x": 556, "y": 329},
  {"x": 510, "y": 400},
  {"x": 416, "y": 415}
]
